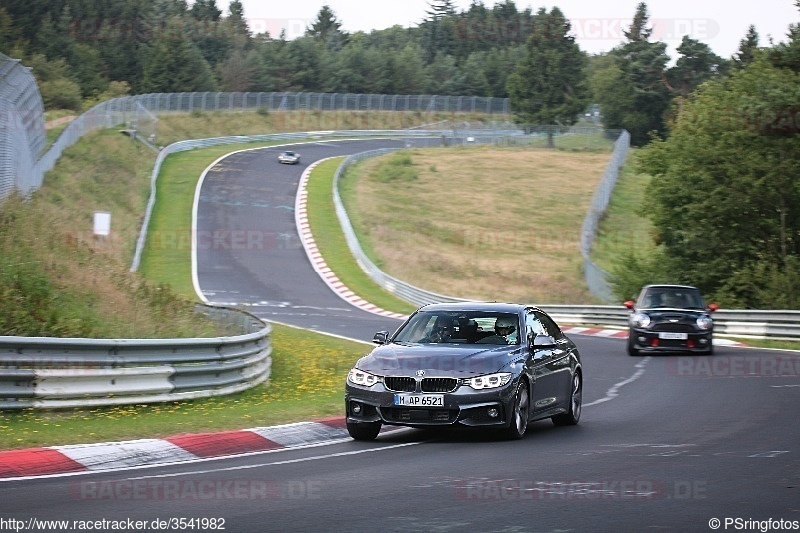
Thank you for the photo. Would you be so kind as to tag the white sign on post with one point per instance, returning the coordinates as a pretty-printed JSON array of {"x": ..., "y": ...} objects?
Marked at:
[{"x": 102, "y": 224}]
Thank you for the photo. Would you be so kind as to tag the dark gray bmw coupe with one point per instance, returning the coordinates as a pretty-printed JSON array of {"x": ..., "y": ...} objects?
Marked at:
[{"x": 488, "y": 365}]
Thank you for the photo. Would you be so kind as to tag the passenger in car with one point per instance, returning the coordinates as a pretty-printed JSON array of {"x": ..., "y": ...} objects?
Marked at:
[{"x": 504, "y": 328}]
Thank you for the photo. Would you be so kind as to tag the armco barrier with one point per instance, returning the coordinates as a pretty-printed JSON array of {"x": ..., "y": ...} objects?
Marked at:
[
  {"x": 63, "y": 372},
  {"x": 729, "y": 322}
]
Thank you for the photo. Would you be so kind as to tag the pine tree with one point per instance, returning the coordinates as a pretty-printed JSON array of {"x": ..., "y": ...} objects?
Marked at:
[
  {"x": 548, "y": 86},
  {"x": 632, "y": 92},
  {"x": 747, "y": 48}
]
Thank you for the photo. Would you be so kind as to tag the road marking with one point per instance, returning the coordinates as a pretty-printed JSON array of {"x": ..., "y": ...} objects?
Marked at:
[
  {"x": 773, "y": 453},
  {"x": 278, "y": 463},
  {"x": 613, "y": 392}
]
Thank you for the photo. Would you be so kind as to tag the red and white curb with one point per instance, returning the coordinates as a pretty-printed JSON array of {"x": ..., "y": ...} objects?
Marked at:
[
  {"x": 623, "y": 334},
  {"x": 84, "y": 458},
  {"x": 595, "y": 332},
  {"x": 314, "y": 255}
]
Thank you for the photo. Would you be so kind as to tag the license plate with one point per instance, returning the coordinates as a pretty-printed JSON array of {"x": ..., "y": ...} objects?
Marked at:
[
  {"x": 673, "y": 336},
  {"x": 419, "y": 400}
]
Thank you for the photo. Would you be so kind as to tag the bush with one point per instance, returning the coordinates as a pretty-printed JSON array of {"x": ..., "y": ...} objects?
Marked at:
[
  {"x": 61, "y": 93},
  {"x": 397, "y": 168}
]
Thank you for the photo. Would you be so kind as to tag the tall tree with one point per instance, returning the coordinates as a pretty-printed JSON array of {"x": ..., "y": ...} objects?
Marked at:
[
  {"x": 207, "y": 31},
  {"x": 632, "y": 93},
  {"x": 167, "y": 9},
  {"x": 175, "y": 64},
  {"x": 237, "y": 24},
  {"x": 10, "y": 36},
  {"x": 696, "y": 64},
  {"x": 747, "y": 48},
  {"x": 327, "y": 29},
  {"x": 548, "y": 86},
  {"x": 787, "y": 54},
  {"x": 439, "y": 9},
  {"x": 439, "y": 30}
]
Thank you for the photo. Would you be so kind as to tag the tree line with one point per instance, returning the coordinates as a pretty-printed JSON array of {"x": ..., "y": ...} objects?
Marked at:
[
  {"x": 83, "y": 51},
  {"x": 720, "y": 135}
]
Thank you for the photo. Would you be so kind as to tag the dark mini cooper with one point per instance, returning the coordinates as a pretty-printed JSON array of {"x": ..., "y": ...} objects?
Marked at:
[
  {"x": 670, "y": 318},
  {"x": 483, "y": 365}
]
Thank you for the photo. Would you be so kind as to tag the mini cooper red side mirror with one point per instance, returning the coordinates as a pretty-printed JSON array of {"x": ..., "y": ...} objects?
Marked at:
[
  {"x": 629, "y": 304},
  {"x": 713, "y": 307}
]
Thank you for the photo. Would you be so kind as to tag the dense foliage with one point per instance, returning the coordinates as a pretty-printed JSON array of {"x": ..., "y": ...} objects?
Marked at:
[
  {"x": 726, "y": 189},
  {"x": 83, "y": 51}
]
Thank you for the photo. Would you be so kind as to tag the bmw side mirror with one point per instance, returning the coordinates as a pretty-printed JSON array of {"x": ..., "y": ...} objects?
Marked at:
[
  {"x": 712, "y": 307},
  {"x": 543, "y": 342},
  {"x": 629, "y": 304},
  {"x": 382, "y": 337}
]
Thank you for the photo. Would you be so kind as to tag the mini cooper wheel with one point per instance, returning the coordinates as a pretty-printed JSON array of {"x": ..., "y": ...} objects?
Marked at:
[
  {"x": 631, "y": 350},
  {"x": 519, "y": 414},
  {"x": 363, "y": 430},
  {"x": 571, "y": 417}
]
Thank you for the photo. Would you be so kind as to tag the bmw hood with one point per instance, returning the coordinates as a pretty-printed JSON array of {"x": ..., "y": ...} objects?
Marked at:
[{"x": 440, "y": 361}]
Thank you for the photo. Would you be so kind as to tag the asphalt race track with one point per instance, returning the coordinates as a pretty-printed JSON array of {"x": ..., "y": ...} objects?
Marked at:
[
  {"x": 257, "y": 259},
  {"x": 665, "y": 443}
]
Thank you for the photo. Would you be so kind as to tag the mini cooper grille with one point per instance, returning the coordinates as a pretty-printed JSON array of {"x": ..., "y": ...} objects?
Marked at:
[
  {"x": 407, "y": 384},
  {"x": 673, "y": 327},
  {"x": 400, "y": 384},
  {"x": 439, "y": 384}
]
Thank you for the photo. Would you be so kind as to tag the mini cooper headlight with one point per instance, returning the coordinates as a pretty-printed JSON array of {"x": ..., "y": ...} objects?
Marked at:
[
  {"x": 640, "y": 320},
  {"x": 359, "y": 377},
  {"x": 489, "y": 381},
  {"x": 704, "y": 322}
]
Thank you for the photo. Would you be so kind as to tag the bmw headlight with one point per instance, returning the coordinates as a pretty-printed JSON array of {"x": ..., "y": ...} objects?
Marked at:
[
  {"x": 489, "y": 381},
  {"x": 704, "y": 322},
  {"x": 640, "y": 320},
  {"x": 359, "y": 377}
]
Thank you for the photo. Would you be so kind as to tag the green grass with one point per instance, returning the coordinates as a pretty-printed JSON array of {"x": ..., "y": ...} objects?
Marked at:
[
  {"x": 333, "y": 246},
  {"x": 624, "y": 227}
]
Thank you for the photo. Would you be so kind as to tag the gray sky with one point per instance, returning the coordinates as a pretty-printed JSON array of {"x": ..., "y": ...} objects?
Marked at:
[{"x": 597, "y": 24}]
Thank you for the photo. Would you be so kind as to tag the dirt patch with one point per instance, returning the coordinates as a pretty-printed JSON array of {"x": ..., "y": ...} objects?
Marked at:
[{"x": 58, "y": 121}]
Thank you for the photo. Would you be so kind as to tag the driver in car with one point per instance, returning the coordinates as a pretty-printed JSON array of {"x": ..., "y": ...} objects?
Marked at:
[{"x": 441, "y": 331}]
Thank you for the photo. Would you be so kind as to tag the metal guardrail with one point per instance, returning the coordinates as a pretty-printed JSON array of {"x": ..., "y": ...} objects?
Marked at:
[
  {"x": 43, "y": 372},
  {"x": 776, "y": 325}
]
